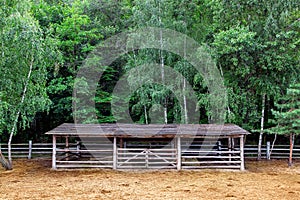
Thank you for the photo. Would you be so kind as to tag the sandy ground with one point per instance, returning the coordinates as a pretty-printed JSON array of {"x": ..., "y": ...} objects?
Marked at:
[{"x": 262, "y": 180}]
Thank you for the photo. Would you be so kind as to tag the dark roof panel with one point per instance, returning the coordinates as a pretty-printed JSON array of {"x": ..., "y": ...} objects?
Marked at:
[{"x": 148, "y": 131}]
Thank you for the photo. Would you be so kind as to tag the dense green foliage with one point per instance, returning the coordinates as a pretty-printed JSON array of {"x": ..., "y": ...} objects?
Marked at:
[
  {"x": 26, "y": 57},
  {"x": 254, "y": 43},
  {"x": 287, "y": 112}
]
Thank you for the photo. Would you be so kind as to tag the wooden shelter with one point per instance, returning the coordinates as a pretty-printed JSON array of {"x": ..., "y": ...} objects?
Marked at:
[{"x": 132, "y": 146}]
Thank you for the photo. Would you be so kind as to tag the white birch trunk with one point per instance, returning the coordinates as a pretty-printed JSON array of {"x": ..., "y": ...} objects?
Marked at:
[
  {"x": 184, "y": 86},
  {"x": 18, "y": 114},
  {"x": 4, "y": 162},
  {"x": 146, "y": 116},
  {"x": 185, "y": 103},
  {"x": 261, "y": 127},
  {"x": 163, "y": 71},
  {"x": 292, "y": 138}
]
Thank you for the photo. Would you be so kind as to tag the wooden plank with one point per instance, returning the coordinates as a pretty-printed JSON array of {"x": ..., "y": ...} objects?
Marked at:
[
  {"x": 84, "y": 162},
  {"x": 149, "y": 157},
  {"x": 131, "y": 163},
  {"x": 19, "y": 156},
  {"x": 143, "y": 167},
  {"x": 142, "y": 149},
  {"x": 41, "y": 148},
  {"x": 212, "y": 167},
  {"x": 218, "y": 152},
  {"x": 84, "y": 150},
  {"x": 134, "y": 153},
  {"x": 149, "y": 163},
  {"x": 219, "y": 157},
  {"x": 83, "y": 166},
  {"x": 212, "y": 162}
]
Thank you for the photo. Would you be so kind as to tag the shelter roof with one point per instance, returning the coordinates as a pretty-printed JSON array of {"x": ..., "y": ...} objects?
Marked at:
[{"x": 148, "y": 131}]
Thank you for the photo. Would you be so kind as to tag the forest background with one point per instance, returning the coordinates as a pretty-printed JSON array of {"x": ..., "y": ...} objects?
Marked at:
[{"x": 254, "y": 43}]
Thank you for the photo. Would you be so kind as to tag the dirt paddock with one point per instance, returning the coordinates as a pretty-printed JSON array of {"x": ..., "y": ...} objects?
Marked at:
[{"x": 262, "y": 180}]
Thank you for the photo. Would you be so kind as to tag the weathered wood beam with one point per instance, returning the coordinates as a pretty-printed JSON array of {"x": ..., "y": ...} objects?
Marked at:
[
  {"x": 115, "y": 153},
  {"x": 242, "y": 152},
  {"x": 178, "y": 153},
  {"x": 54, "y": 152}
]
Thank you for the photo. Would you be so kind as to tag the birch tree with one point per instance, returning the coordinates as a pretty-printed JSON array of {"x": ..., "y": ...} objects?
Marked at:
[
  {"x": 287, "y": 116},
  {"x": 269, "y": 31},
  {"x": 25, "y": 56}
]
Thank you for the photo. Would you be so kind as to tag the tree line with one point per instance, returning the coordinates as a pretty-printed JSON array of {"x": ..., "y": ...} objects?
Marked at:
[{"x": 255, "y": 45}]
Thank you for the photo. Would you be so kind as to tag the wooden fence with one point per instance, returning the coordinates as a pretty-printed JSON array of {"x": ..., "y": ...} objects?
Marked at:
[
  {"x": 33, "y": 150},
  {"x": 278, "y": 152},
  {"x": 29, "y": 150}
]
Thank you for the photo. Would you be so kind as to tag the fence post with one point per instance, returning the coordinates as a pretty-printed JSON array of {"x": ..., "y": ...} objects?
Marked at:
[
  {"x": 29, "y": 149},
  {"x": 268, "y": 151},
  {"x": 219, "y": 146},
  {"x": 54, "y": 152},
  {"x": 147, "y": 158},
  {"x": 67, "y": 148},
  {"x": 178, "y": 153},
  {"x": 242, "y": 152},
  {"x": 115, "y": 153},
  {"x": 78, "y": 149}
]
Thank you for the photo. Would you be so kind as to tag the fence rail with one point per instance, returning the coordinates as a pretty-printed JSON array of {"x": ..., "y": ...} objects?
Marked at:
[{"x": 33, "y": 150}]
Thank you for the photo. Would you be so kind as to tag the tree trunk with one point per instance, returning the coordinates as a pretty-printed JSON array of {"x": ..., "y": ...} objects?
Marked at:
[
  {"x": 184, "y": 84},
  {"x": 162, "y": 66},
  {"x": 18, "y": 114},
  {"x": 185, "y": 103},
  {"x": 163, "y": 77},
  {"x": 273, "y": 143},
  {"x": 146, "y": 116},
  {"x": 261, "y": 127},
  {"x": 4, "y": 162},
  {"x": 292, "y": 138}
]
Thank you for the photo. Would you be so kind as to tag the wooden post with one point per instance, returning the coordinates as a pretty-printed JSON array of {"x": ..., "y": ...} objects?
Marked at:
[
  {"x": 219, "y": 145},
  {"x": 292, "y": 138},
  {"x": 178, "y": 153},
  {"x": 229, "y": 147},
  {"x": 115, "y": 153},
  {"x": 78, "y": 149},
  {"x": 242, "y": 152},
  {"x": 29, "y": 149},
  {"x": 67, "y": 148},
  {"x": 147, "y": 158},
  {"x": 173, "y": 146},
  {"x": 54, "y": 152},
  {"x": 268, "y": 156},
  {"x": 121, "y": 143}
]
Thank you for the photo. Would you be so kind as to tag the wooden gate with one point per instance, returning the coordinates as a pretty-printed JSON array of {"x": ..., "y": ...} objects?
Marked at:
[{"x": 140, "y": 158}]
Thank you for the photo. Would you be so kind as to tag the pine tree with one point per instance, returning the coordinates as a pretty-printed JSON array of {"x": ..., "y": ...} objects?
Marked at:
[{"x": 287, "y": 116}]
